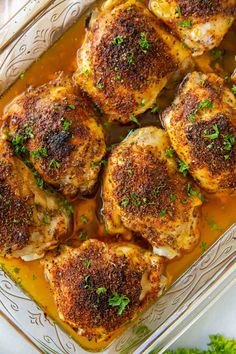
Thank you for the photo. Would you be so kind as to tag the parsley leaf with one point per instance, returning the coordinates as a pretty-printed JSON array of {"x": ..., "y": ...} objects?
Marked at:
[
  {"x": 118, "y": 40},
  {"x": 178, "y": 11},
  {"x": 134, "y": 119},
  {"x": 186, "y": 23},
  {"x": 214, "y": 135},
  {"x": 120, "y": 301},
  {"x": 183, "y": 167},
  {"x": 101, "y": 290},
  {"x": 143, "y": 42}
]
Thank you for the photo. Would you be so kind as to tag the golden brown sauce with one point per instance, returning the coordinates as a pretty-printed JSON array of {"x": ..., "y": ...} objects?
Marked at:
[{"x": 217, "y": 213}]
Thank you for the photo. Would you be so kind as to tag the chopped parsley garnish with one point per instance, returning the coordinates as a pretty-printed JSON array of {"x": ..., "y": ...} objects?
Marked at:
[
  {"x": 120, "y": 301},
  {"x": 22, "y": 75},
  {"x": 66, "y": 124},
  {"x": 83, "y": 235},
  {"x": 18, "y": 144},
  {"x": 135, "y": 199},
  {"x": 155, "y": 109},
  {"x": 118, "y": 40},
  {"x": 125, "y": 202},
  {"x": 143, "y": 102},
  {"x": 54, "y": 163},
  {"x": 118, "y": 77},
  {"x": 204, "y": 104},
  {"x": 213, "y": 225},
  {"x": 178, "y": 11},
  {"x": 103, "y": 162},
  {"x": 183, "y": 167},
  {"x": 214, "y": 135},
  {"x": 85, "y": 71},
  {"x": 217, "y": 53},
  {"x": 37, "y": 154},
  {"x": 130, "y": 172},
  {"x": 130, "y": 58},
  {"x": 72, "y": 106},
  {"x": 204, "y": 246},
  {"x": 16, "y": 270},
  {"x": 186, "y": 23},
  {"x": 28, "y": 132},
  {"x": 100, "y": 85},
  {"x": 218, "y": 344},
  {"x": 163, "y": 212},
  {"x": 65, "y": 204},
  {"x": 86, "y": 279},
  {"x": 156, "y": 191},
  {"x": 229, "y": 141},
  {"x": 84, "y": 219},
  {"x": 134, "y": 119},
  {"x": 170, "y": 152},
  {"x": 173, "y": 197},
  {"x": 143, "y": 42},
  {"x": 46, "y": 219},
  {"x": 101, "y": 291},
  {"x": 234, "y": 89},
  {"x": 39, "y": 181},
  {"x": 87, "y": 263},
  {"x": 34, "y": 277},
  {"x": 191, "y": 192}
]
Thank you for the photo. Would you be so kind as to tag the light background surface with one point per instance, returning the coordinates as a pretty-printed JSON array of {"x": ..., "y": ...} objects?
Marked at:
[{"x": 221, "y": 318}]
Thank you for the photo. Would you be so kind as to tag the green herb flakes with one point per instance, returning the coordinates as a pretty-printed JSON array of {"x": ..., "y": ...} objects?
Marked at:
[
  {"x": 143, "y": 42},
  {"x": 120, "y": 301}
]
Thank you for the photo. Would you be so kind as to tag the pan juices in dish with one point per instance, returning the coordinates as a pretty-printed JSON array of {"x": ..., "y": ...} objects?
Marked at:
[
  {"x": 126, "y": 59},
  {"x": 201, "y": 25}
]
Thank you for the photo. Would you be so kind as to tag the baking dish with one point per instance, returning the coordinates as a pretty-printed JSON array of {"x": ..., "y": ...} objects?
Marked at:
[{"x": 26, "y": 37}]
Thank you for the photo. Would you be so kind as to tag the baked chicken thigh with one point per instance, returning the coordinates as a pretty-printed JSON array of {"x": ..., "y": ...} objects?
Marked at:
[
  {"x": 126, "y": 59},
  {"x": 201, "y": 124},
  {"x": 144, "y": 192},
  {"x": 58, "y": 131},
  {"x": 31, "y": 221},
  {"x": 99, "y": 287},
  {"x": 200, "y": 24}
]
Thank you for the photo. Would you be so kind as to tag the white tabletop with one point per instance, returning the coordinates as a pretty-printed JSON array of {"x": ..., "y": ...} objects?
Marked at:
[{"x": 221, "y": 318}]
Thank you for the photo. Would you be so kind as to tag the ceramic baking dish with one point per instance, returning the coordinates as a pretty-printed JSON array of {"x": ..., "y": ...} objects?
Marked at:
[{"x": 23, "y": 39}]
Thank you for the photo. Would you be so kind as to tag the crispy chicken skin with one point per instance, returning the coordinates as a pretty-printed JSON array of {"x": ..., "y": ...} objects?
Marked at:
[
  {"x": 126, "y": 60},
  {"x": 84, "y": 281},
  {"x": 144, "y": 192},
  {"x": 201, "y": 124},
  {"x": 61, "y": 133},
  {"x": 200, "y": 24},
  {"x": 31, "y": 221}
]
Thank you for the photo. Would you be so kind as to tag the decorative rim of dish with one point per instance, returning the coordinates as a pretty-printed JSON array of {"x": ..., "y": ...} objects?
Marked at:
[{"x": 187, "y": 296}]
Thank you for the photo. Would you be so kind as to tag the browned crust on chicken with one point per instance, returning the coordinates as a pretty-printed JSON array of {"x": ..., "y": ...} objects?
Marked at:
[
  {"x": 75, "y": 284},
  {"x": 24, "y": 214},
  {"x": 143, "y": 192},
  {"x": 110, "y": 59},
  {"x": 63, "y": 123},
  {"x": 213, "y": 158},
  {"x": 205, "y": 137},
  {"x": 146, "y": 183},
  {"x": 201, "y": 8},
  {"x": 126, "y": 60}
]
